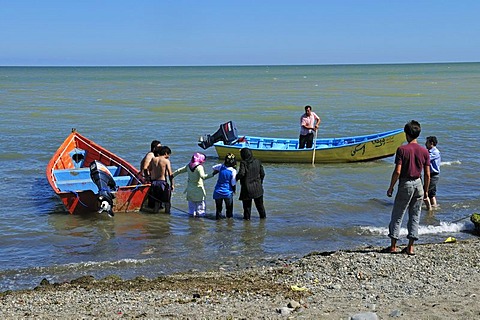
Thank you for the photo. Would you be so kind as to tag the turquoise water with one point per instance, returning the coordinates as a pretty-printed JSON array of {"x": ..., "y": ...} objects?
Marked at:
[{"x": 326, "y": 207}]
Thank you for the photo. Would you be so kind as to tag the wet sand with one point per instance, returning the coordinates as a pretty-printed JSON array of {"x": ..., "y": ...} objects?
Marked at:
[{"x": 441, "y": 281}]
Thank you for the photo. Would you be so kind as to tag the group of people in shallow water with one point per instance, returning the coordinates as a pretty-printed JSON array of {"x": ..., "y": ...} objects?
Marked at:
[
  {"x": 156, "y": 169},
  {"x": 411, "y": 160}
]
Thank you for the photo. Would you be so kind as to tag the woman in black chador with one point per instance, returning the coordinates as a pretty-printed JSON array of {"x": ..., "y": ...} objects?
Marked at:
[{"x": 251, "y": 176}]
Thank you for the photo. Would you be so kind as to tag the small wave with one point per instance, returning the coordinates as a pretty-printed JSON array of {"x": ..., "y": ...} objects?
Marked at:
[
  {"x": 381, "y": 202},
  {"x": 12, "y": 156},
  {"x": 396, "y": 95},
  {"x": 79, "y": 266},
  {"x": 444, "y": 227},
  {"x": 75, "y": 267},
  {"x": 14, "y": 279},
  {"x": 115, "y": 102},
  {"x": 451, "y": 163}
]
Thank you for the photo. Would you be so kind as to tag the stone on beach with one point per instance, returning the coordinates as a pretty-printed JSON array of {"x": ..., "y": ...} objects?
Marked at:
[{"x": 439, "y": 282}]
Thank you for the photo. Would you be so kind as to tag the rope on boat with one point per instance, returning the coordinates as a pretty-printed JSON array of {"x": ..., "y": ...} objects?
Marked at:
[
  {"x": 78, "y": 198},
  {"x": 156, "y": 199},
  {"x": 458, "y": 220},
  {"x": 180, "y": 209},
  {"x": 138, "y": 186}
]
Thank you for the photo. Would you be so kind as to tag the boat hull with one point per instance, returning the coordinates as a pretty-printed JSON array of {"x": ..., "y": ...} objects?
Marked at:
[
  {"x": 69, "y": 176},
  {"x": 327, "y": 150},
  {"x": 85, "y": 202}
]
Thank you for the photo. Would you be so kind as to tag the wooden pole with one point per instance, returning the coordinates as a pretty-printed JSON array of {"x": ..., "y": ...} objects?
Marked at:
[{"x": 314, "y": 147}]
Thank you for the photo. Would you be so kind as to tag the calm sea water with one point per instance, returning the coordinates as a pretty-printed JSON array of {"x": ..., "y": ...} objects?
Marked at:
[{"x": 326, "y": 207}]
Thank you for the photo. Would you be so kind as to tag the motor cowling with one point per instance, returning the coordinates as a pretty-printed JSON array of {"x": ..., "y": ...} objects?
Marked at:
[
  {"x": 226, "y": 133},
  {"x": 103, "y": 179}
]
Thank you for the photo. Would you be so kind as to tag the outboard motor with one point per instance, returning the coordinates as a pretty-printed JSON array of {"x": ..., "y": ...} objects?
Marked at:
[
  {"x": 226, "y": 133},
  {"x": 102, "y": 177}
]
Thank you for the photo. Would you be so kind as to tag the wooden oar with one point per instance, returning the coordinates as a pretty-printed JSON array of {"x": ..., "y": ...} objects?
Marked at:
[{"x": 314, "y": 147}]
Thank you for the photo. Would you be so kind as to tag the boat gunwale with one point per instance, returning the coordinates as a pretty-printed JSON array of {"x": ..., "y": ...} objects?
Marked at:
[
  {"x": 74, "y": 135},
  {"x": 318, "y": 146}
]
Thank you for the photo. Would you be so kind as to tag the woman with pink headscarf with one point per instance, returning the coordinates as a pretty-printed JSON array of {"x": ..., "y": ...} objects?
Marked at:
[{"x": 195, "y": 188}]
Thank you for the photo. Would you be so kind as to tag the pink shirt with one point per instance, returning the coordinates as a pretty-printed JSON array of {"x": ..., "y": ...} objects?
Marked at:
[{"x": 308, "y": 122}]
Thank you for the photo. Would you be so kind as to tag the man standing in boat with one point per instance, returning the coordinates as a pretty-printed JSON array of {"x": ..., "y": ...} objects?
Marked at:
[{"x": 309, "y": 122}]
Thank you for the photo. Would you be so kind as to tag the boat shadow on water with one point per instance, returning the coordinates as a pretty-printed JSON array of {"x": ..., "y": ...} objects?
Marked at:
[{"x": 42, "y": 199}]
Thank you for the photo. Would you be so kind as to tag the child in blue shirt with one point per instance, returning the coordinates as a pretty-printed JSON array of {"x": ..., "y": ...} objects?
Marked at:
[
  {"x": 226, "y": 185},
  {"x": 435, "y": 160}
]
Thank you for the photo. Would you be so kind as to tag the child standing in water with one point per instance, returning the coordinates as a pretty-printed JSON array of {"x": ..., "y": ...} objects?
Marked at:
[
  {"x": 435, "y": 160},
  {"x": 226, "y": 185},
  {"x": 195, "y": 187}
]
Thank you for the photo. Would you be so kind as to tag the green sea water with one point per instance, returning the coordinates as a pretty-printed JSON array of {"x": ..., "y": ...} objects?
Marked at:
[{"x": 326, "y": 207}]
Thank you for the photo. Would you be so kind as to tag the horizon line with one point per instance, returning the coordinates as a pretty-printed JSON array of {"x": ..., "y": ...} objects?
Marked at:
[{"x": 230, "y": 65}]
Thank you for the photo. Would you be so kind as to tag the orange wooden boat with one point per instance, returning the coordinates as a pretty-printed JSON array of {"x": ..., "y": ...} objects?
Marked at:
[{"x": 69, "y": 175}]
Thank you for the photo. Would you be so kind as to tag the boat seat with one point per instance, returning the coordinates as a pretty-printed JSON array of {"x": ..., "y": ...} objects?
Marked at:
[
  {"x": 81, "y": 173},
  {"x": 293, "y": 145},
  {"x": 268, "y": 144},
  {"x": 88, "y": 184},
  {"x": 338, "y": 142},
  {"x": 122, "y": 181},
  {"x": 280, "y": 145}
]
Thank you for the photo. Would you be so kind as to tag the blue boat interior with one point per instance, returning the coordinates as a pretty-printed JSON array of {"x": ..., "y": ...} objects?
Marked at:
[
  {"x": 78, "y": 179},
  {"x": 292, "y": 144},
  {"x": 285, "y": 144},
  {"x": 78, "y": 157}
]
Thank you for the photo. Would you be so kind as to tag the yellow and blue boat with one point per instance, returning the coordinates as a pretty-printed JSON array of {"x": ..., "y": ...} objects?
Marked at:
[{"x": 325, "y": 150}]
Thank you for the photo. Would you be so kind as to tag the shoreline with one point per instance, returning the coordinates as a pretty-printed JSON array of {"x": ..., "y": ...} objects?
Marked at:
[{"x": 439, "y": 282}]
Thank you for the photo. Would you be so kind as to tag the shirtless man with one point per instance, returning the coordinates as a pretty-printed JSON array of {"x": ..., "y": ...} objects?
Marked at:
[
  {"x": 159, "y": 169},
  {"x": 146, "y": 160}
]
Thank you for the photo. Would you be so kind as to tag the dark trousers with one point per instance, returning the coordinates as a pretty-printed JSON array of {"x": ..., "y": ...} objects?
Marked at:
[
  {"x": 228, "y": 207},
  {"x": 247, "y": 208},
  {"x": 159, "y": 193},
  {"x": 305, "y": 140}
]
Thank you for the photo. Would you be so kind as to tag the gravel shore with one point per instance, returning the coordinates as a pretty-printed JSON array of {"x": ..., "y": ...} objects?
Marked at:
[{"x": 441, "y": 281}]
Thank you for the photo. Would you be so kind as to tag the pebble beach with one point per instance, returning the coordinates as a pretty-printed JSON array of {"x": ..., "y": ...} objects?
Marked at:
[{"x": 441, "y": 281}]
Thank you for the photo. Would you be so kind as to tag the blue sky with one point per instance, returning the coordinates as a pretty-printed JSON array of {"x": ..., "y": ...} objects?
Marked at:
[{"x": 243, "y": 32}]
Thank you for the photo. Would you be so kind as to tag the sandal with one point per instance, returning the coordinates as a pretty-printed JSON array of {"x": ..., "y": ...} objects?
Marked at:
[
  {"x": 388, "y": 249},
  {"x": 405, "y": 251}
]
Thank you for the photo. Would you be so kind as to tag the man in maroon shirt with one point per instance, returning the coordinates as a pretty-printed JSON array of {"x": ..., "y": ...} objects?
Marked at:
[{"x": 410, "y": 160}]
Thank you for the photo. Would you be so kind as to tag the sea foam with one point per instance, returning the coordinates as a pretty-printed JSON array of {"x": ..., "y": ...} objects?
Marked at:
[{"x": 443, "y": 227}]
